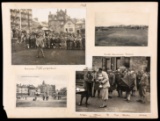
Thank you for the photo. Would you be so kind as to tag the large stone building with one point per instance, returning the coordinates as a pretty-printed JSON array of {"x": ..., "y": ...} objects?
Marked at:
[
  {"x": 61, "y": 22},
  {"x": 25, "y": 90},
  {"x": 22, "y": 89},
  {"x": 113, "y": 63},
  {"x": 46, "y": 88},
  {"x": 31, "y": 90},
  {"x": 21, "y": 19},
  {"x": 69, "y": 26},
  {"x": 57, "y": 21}
]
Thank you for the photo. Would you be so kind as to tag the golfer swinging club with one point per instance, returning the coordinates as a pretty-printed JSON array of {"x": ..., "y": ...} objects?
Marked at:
[{"x": 40, "y": 41}]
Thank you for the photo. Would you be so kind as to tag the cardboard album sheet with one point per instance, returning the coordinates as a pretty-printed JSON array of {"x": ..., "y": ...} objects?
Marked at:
[{"x": 80, "y": 60}]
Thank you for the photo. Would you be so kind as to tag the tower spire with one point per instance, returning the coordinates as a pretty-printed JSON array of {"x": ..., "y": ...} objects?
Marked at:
[{"x": 43, "y": 82}]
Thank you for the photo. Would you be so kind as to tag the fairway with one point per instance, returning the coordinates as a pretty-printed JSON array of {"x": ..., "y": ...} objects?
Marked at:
[
  {"x": 52, "y": 57},
  {"x": 121, "y": 37}
]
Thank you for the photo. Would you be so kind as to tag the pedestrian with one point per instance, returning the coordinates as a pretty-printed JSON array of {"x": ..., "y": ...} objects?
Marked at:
[
  {"x": 47, "y": 96},
  {"x": 36, "y": 94},
  {"x": 57, "y": 93},
  {"x": 88, "y": 82},
  {"x": 103, "y": 79},
  {"x": 40, "y": 41},
  {"x": 127, "y": 77},
  {"x": 83, "y": 42},
  {"x": 118, "y": 76},
  {"x": 95, "y": 84},
  {"x": 139, "y": 75},
  {"x": 96, "y": 87},
  {"x": 43, "y": 96},
  {"x": 111, "y": 76},
  {"x": 130, "y": 76},
  {"x": 143, "y": 86},
  {"x": 134, "y": 78}
]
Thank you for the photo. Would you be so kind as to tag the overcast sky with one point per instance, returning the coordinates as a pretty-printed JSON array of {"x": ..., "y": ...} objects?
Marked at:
[
  {"x": 58, "y": 80},
  {"x": 109, "y": 19},
  {"x": 42, "y": 14}
]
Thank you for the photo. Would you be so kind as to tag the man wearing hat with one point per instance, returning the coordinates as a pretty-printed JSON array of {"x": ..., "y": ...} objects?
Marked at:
[
  {"x": 88, "y": 77},
  {"x": 40, "y": 41},
  {"x": 102, "y": 78},
  {"x": 143, "y": 86},
  {"x": 111, "y": 76}
]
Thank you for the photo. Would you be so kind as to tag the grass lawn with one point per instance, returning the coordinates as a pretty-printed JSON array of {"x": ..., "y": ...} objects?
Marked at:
[
  {"x": 121, "y": 37},
  {"x": 52, "y": 57}
]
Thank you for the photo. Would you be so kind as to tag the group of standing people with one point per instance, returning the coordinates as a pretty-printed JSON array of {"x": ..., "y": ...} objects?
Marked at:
[
  {"x": 45, "y": 96},
  {"x": 105, "y": 82},
  {"x": 97, "y": 81},
  {"x": 41, "y": 39}
]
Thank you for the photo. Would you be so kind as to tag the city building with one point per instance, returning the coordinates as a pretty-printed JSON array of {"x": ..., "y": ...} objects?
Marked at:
[
  {"x": 31, "y": 90},
  {"x": 61, "y": 22},
  {"x": 21, "y": 19},
  {"x": 22, "y": 89},
  {"x": 57, "y": 21},
  {"x": 69, "y": 26},
  {"x": 46, "y": 88},
  {"x": 113, "y": 63}
]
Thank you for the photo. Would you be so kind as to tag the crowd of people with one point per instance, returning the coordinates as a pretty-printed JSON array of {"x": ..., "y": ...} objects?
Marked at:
[
  {"x": 44, "y": 96},
  {"x": 41, "y": 39},
  {"x": 104, "y": 82}
]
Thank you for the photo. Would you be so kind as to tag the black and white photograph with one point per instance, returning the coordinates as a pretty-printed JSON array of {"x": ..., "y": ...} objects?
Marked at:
[
  {"x": 41, "y": 91},
  {"x": 114, "y": 84},
  {"x": 121, "y": 29},
  {"x": 50, "y": 36}
]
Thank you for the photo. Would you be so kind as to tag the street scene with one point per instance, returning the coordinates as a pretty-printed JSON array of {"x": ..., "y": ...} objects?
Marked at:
[
  {"x": 114, "y": 84},
  {"x": 41, "y": 91},
  {"x": 48, "y": 36},
  {"x": 121, "y": 29}
]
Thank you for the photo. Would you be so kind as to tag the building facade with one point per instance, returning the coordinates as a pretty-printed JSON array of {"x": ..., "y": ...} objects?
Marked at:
[
  {"x": 31, "y": 90},
  {"x": 57, "y": 21},
  {"x": 22, "y": 89},
  {"x": 69, "y": 27},
  {"x": 21, "y": 19},
  {"x": 113, "y": 63},
  {"x": 46, "y": 88},
  {"x": 61, "y": 22}
]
